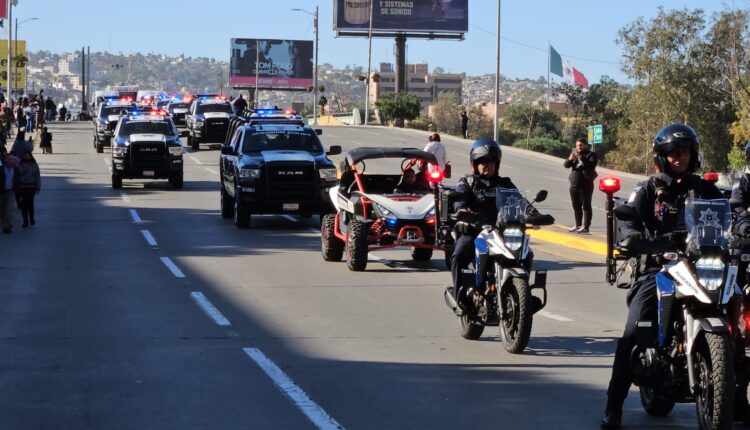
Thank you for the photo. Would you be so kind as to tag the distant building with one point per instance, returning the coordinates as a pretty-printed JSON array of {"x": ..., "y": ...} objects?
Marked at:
[
  {"x": 63, "y": 67},
  {"x": 419, "y": 81}
]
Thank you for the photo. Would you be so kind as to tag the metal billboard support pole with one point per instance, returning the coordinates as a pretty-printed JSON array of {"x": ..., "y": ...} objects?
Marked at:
[
  {"x": 497, "y": 78},
  {"x": 10, "y": 46},
  {"x": 315, "y": 96},
  {"x": 368, "y": 81},
  {"x": 257, "y": 68}
]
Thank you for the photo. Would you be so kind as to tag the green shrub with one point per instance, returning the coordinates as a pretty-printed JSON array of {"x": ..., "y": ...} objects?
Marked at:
[
  {"x": 423, "y": 122},
  {"x": 545, "y": 145}
]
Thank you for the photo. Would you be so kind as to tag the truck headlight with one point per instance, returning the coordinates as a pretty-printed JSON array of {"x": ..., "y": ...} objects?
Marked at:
[
  {"x": 197, "y": 123},
  {"x": 175, "y": 150},
  {"x": 513, "y": 238},
  {"x": 101, "y": 126},
  {"x": 327, "y": 174},
  {"x": 249, "y": 173},
  {"x": 119, "y": 151},
  {"x": 710, "y": 272}
]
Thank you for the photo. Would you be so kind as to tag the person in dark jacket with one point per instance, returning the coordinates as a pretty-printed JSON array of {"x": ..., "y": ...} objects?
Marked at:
[
  {"x": 659, "y": 203},
  {"x": 31, "y": 183},
  {"x": 63, "y": 113},
  {"x": 582, "y": 162},
  {"x": 464, "y": 124},
  {"x": 10, "y": 184},
  {"x": 45, "y": 141},
  {"x": 475, "y": 204}
]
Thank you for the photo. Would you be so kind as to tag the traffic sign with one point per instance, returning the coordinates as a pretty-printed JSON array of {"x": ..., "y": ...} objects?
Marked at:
[{"x": 596, "y": 134}]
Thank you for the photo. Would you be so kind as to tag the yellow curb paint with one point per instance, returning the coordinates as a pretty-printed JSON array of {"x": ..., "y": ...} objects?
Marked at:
[{"x": 570, "y": 241}]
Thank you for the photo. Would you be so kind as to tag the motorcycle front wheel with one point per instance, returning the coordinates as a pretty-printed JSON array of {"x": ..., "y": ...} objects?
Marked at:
[
  {"x": 714, "y": 371},
  {"x": 517, "y": 315},
  {"x": 655, "y": 402},
  {"x": 468, "y": 329}
]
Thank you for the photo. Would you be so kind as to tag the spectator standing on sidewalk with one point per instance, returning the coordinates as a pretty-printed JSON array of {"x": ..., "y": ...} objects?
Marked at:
[
  {"x": 436, "y": 147},
  {"x": 582, "y": 162},
  {"x": 20, "y": 116},
  {"x": 45, "y": 141},
  {"x": 21, "y": 145},
  {"x": 63, "y": 113},
  {"x": 464, "y": 124},
  {"x": 30, "y": 113},
  {"x": 10, "y": 181},
  {"x": 31, "y": 182},
  {"x": 49, "y": 109}
]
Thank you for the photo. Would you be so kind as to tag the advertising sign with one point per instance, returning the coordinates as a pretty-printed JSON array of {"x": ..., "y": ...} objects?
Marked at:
[
  {"x": 281, "y": 64},
  {"x": 438, "y": 16},
  {"x": 19, "y": 64},
  {"x": 596, "y": 134}
]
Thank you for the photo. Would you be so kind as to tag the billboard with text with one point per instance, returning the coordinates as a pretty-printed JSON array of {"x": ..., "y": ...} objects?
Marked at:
[
  {"x": 278, "y": 64},
  {"x": 434, "y": 16},
  {"x": 19, "y": 64}
]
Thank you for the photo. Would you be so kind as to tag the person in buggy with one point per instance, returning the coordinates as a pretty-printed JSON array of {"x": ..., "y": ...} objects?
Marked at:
[
  {"x": 409, "y": 184},
  {"x": 475, "y": 204}
]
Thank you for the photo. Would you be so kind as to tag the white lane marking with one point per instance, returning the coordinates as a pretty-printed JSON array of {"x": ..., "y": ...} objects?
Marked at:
[
  {"x": 107, "y": 161},
  {"x": 314, "y": 413},
  {"x": 211, "y": 171},
  {"x": 196, "y": 160},
  {"x": 554, "y": 316},
  {"x": 149, "y": 237},
  {"x": 134, "y": 215},
  {"x": 125, "y": 197},
  {"x": 209, "y": 309},
  {"x": 555, "y": 178},
  {"x": 290, "y": 218},
  {"x": 356, "y": 143},
  {"x": 172, "y": 267}
]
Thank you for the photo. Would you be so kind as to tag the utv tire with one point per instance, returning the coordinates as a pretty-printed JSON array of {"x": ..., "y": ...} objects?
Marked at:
[
  {"x": 356, "y": 246},
  {"x": 195, "y": 144},
  {"x": 714, "y": 397},
  {"x": 177, "y": 182},
  {"x": 99, "y": 147},
  {"x": 656, "y": 403},
  {"x": 331, "y": 246},
  {"x": 469, "y": 330},
  {"x": 515, "y": 326},
  {"x": 241, "y": 213},
  {"x": 227, "y": 204},
  {"x": 421, "y": 254},
  {"x": 116, "y": 182}
]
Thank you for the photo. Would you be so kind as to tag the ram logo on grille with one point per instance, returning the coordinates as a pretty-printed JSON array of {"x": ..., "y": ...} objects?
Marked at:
[
  {"x": 291, "y": 173},
  {"x": 148, "y": 149}
]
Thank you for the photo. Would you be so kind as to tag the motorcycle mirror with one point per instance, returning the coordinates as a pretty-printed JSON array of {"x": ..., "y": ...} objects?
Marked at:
[{"x": 540, "y": 196}]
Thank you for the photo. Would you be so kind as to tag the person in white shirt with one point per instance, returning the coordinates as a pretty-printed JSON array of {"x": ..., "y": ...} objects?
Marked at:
[{"x": 436, "y": 147}]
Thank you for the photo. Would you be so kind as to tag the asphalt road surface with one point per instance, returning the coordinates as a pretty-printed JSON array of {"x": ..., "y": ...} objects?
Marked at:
[{"x": 142, "y": 308}]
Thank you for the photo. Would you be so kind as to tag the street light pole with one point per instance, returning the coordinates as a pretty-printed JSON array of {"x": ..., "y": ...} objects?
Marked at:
[
  {"x": 368, "y": 81},
  {"x": 15, "y": 47},
  {"x": 497, "y": 78},
  {"x": 10, "y": 53},
  {"x": 315, "y": 78}
]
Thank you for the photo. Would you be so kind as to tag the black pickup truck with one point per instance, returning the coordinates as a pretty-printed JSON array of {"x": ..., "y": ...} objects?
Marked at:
[{"x": 275, "y": 166}]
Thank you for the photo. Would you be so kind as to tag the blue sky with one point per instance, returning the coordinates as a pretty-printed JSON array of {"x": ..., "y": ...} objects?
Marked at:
[{"x": 576, "y": 28}]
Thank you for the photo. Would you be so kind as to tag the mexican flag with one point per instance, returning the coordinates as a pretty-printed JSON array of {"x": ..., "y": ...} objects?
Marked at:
[{"x": 563, "y": 69}]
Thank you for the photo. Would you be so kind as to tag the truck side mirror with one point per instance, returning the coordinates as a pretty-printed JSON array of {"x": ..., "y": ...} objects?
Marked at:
[
  {"x": 334, "y": 150},
  {"x": 227, "y": 150},
  {"x": 319, "y": 131}
]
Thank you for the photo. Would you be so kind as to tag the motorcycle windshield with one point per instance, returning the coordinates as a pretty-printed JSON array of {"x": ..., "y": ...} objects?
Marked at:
[
  {"x": 511, "y": 205},
  {"x": 707, "y": 221}
]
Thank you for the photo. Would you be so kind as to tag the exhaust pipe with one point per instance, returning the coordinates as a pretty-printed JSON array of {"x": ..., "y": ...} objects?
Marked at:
[{"x": 451, "y": 301}]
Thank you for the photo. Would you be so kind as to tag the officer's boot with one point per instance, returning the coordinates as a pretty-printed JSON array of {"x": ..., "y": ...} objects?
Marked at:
[{"x": 612, "y": 415}]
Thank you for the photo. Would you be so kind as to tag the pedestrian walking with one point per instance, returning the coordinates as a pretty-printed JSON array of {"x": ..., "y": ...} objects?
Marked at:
[
  {"x": 49, "y": 109},
  {"x": 10, "y": 179},
  {"x": 30, "y": 113},
  {"x": 582, "y": 162},
  {"x": 437, "y": 148},
  {"x": 21, "y": 145},
  {"x": 45, "y": 141},
  {"x": 464, "y": 124},
  {"x": 20, "y": 116},
  {"x": 31, "y": 182},
  {"x": 63, "y": 113}
]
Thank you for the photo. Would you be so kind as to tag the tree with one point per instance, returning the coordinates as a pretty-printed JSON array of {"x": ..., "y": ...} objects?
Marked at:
[
  {"x": 438, "y": 70},
  {"x": 574, "y": 94},
  {"x": 480, "y": 125},
  {"x": 531, "y": 120},
  {"x": 398, "y": 107},
  {"x": 446, "y": 113}
]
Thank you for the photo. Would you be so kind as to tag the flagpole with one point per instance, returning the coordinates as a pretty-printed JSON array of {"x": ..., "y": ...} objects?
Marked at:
[
  {"x": 497, "y": 77},
  {"x": 549, "y": 85}
]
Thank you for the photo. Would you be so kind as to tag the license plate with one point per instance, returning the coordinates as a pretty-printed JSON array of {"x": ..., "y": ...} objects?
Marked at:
[
  {"x": 148, "y": 173},
  {"x": 290, "y": 206}
]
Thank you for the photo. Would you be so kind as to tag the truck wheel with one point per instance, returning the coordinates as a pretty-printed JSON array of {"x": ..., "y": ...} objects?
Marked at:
[
  {"x": 177, "y": 181},
  {"x": 331, "y": 246},
  {"x": 356, "y": 246},
  {"x": 195, "y": 144},
  {"x": 421, "y": 254},
  {"x": 99, "y": 147},
  {"x": 227, "y": 204},
  {"x": 116, "y": 182},
  {"x": 241, "y": 213}
]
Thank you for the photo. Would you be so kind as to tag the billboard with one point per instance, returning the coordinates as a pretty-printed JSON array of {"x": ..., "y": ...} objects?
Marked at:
[
  {"x": 19, "y": 64},
  {"x": 282, "y": 64},
  {"x": 435, "y": 16}
]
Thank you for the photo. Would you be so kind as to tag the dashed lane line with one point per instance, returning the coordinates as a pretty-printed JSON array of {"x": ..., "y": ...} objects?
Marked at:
[
  {"x": 209, "y": 309},
  {"x": 149, "y": 237},
  {"x": 554, "y": 316},
  {"x": 172, "y": 267},
  {"x": 312, "y": 411},
  {"x": 134, "y": 215},
  {"x": 211, "y": 171},
  {"x": 107, "y": 161},
  {"x": 196, "y": 160}
]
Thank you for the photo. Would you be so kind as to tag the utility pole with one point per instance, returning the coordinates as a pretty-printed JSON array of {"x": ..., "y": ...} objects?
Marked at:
[
  {"x": 10, "y": 46},
  {"x": 317, "y": 40},
  {"x": 497, "y": 78},
  {"x": 88, "y": 73},
  {"x": 368, "y": 81},
  {"x": 83, "y": 79}
]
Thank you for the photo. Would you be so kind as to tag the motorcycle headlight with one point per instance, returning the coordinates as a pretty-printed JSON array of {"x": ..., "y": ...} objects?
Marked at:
[
  {"x": 513, "y": 238},
  {"x": 710, "y": 272},
  {"x": 175, "y": 150},
  {"x": 327, "y": 174},
  {"x": 119, "y": 151},
  {"x": 249, "y": 173}
]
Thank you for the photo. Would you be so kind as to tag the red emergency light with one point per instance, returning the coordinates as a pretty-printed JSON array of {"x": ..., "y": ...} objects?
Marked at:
[
  {"x": 609, "y": 184},
  {"x": 436, "y": 176},
  {"x": 711, "y": 177}
]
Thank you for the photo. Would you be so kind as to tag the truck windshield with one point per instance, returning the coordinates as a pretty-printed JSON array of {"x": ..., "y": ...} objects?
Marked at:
[
  {"x": 214, "y": 108},
  {"x": 114, "y": 110},
  {"x": 282, "y": 140},
  {"x": 146, "y": 127},
  {"x": 174, "y": 106}
]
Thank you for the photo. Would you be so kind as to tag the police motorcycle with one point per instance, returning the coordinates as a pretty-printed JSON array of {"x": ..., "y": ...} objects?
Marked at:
[
  {"x": 687, "y": 354},
  {"x": 498, "y": 288}
]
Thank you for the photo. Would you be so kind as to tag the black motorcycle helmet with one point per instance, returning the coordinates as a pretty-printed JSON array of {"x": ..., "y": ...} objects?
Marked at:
[
  {"x": 488, "y": 149},
  {"x": 676, "y": 136}
]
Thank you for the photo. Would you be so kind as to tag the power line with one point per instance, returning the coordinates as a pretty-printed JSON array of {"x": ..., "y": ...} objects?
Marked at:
[{"x": 536, "y": 48}]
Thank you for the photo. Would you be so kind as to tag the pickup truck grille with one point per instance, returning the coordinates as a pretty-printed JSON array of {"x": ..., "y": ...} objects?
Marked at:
[
  {"x": 145, "y": 155},
  {"x": 215, "y": 130},
  {"x": 291, "y": 182}
]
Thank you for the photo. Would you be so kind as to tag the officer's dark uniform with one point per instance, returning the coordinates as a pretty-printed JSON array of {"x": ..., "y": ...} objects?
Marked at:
[{"x": 477, "y": 195}]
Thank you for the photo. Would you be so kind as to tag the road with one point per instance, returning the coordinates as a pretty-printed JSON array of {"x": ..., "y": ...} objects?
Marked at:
[{"x": 143, "y": 308}]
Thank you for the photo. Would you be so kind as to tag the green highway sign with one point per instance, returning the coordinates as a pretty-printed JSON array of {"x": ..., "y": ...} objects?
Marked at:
[{"x": 596, "y": 134}]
